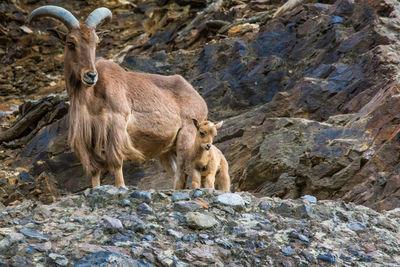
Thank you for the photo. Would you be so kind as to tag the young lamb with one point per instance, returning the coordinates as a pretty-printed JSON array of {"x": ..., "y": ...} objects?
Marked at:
[{"x": 207, "y": 163}]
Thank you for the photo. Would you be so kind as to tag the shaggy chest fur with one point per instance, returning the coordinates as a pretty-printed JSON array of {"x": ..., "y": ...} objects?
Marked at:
[
  {"x": 100, "y": 140},
  {"x": 202, "y": 161}
]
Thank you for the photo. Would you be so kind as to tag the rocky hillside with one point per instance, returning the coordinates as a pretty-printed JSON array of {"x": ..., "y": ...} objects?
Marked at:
[
  {"x": 309, "y": 97},
  {"x": 127, "y": 227}
]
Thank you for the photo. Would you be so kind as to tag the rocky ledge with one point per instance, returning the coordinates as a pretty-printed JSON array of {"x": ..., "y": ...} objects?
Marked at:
[{"x": 107, "y": 226}]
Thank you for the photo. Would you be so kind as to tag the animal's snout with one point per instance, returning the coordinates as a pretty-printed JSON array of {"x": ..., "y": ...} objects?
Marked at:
[
  {"x": 90, "y": 78},
  {"x": 208, "y": 146},
  {"x": 91, "y": 75}
]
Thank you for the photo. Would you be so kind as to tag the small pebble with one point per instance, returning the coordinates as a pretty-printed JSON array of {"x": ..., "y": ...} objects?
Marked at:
[
  {"x": 143, "y": 195},
  {"x": 288, "y": 251},
  {"x": 197, "y": 193},
  {"x": 126, "y": 203},
  {"x": 144, "y": 208},
  {"x": 112, "y": 223},
  {"x": 180, "y": 196},
  {"x": 33, "y": 234},
  {"x": 327, "y": 257},
  {"x": 148, "y": 238},
  {"x": 357, "y": 226},
  {"x": 265, "y": 205},
  {"x": 309, "y": 198}
]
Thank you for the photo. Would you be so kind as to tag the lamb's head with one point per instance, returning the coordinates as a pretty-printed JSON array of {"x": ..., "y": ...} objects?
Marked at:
[
  {"x": 80, "y": 41},
  {"x": 206, "y": 131}
]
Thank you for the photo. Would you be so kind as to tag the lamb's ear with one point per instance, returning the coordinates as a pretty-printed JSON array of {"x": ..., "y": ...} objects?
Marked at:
[
  {"x": 196, "y": 123},
  {"x": 219, "y": 124}
]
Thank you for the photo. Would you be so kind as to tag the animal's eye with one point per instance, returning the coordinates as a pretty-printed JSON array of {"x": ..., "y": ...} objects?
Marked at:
[
  {"x": 202, "y": 134},
  {"x": 71, "y": 45}
]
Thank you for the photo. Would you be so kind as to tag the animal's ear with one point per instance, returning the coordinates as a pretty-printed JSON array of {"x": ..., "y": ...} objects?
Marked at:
[
  {"x": 59, "y": 35},
  {"x": 196, "y": 123},
  {"x": 219, "y": 124}
]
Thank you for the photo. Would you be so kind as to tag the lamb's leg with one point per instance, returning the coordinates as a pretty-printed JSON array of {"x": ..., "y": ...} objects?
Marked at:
[
  {"x": 96, "y": 179},
  {"x": 184, "y": 143},
  {"x": 196, "y": 178},
  {"x": 223, "y": 180},
  {"x": 209, "y": 181}
]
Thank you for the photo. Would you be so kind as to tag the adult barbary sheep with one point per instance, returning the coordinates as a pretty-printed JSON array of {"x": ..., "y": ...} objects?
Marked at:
[{"x": 116, "y": 115}]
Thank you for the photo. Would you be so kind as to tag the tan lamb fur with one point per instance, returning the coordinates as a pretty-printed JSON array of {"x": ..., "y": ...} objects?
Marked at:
[
  {"x": 207, "y": 163},
  {"x": 116, "y": 115}
]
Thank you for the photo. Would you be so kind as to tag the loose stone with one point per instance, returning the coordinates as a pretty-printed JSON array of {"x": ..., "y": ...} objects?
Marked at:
[
  {"x": 200, "y": 220},
  {"x": 231, "y": 200},
  {"x": 33, "y": 234},
  {"x": 142, "y": 195},
  {"x": 288, "y": 251},
  {"x": 144, "y": 208},
  {"x": 180, "y": 196},
  {"x": 327, "y": 257}
]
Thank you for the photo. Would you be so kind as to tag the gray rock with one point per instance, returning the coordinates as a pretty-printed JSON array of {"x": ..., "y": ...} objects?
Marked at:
[
  {"x": 59, "y": 259},
  {"x": 304, "y": 211},
  {"x": 284, "y": 209},
  {"x": 299, "y": 236},
  {"x": 175, "y": 234},
  {"x": 288, "y": 251},
  {"x": 231, "y": 200},
  {"x": 142, "y": 195},
  {"x": 109, "y": 259},
  {"x": 357, "y": 226},
  {"x": 184, "y": 206},
  {"x": 106, "y": 190},
  {"x": 4, "y": 244},
  {"x": 33, "y": 234},
  {"x": 197, "y": 193},
  {"x": 14, "y": 237},
  {"x": 264, "y": 205},
  {"x": 200, "y": 221},
  {"x": 327, "y": 257},
  {"x": 126, "y": 203},
  {"x": 180, "y": 196},
  {"x": 144, "y": 208},
  {"x": 123, "y": 188},
  {"x": 112, "y": 224},
  {"x": 309, "y": 198}
]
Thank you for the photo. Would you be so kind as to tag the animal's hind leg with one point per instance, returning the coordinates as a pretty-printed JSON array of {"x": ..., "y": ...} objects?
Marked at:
[
  {"x": 184, "y": 143},
  {"x": 168, "y": 161},
  {"x": 222, "y": 179}
]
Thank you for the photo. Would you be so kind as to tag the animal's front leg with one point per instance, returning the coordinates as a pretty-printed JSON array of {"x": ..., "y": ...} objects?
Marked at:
[
  {"x": 209, "y": 181},
  {"x": 96, "y": 179},
  {"x": 119, "y": 177},
  {"x": 196, "y": 178}
]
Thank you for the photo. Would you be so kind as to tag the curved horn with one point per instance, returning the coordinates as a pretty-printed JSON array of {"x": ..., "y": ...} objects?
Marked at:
[
  {"x": 55, "y": 12},
  {"x": 97, "y": 16}
]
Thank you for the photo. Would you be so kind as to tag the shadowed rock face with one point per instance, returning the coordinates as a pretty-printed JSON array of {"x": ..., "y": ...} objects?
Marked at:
[{"x": 310, "y": 103}]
